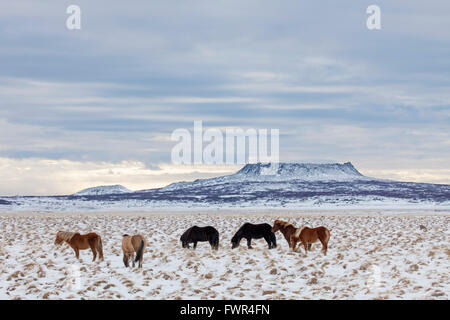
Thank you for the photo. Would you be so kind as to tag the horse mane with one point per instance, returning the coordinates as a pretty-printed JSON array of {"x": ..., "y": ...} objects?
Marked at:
[
  {"x": 299, "y": 230},
  {"x": 65, "y": 235},
  {"x": 283, "y": 224}
]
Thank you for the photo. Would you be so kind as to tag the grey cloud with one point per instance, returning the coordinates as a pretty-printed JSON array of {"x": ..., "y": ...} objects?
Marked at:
[{"x": 135, "y": 72}]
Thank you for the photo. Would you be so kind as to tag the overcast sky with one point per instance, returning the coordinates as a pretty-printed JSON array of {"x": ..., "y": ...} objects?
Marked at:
[{"x": 79, "y": 108}]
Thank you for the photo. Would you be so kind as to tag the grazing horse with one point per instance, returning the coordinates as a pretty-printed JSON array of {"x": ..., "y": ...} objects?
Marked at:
[
  {"x": 132, "y": 244},
  {"x": 81, "y": 242},
  {"x": 307, "y": 236},
  {"x": 198, "y": 234},
  {"x": 285, "y": 228},
  {"x": 254, "y": 231},
  {"x": 304, "y": 235}
]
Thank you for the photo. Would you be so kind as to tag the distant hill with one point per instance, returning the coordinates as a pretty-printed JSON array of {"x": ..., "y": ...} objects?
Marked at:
[
  {"x": 102, "y": 190},
  {"x": 288, "y": 185}
]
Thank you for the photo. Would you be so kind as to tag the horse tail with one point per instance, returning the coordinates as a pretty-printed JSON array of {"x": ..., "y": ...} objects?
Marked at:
[
  {"x": 216, "y": 241},
  {"x": 100, "y": 247},
  {"x": 140, "y": 251}
]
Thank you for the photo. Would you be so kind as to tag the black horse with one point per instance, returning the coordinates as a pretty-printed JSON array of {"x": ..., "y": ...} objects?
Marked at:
[
  {"x": 196, "y": 234},
  {"x": 254, "y": 231}
]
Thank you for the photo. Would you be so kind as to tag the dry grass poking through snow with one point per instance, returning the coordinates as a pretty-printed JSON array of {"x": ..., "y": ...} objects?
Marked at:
[{"x": 378, "y": 257}]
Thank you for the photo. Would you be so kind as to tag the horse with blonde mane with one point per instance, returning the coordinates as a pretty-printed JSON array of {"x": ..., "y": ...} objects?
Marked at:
[
  {"x": 132, "y": 244},
  {"x": 305, "y": 235},
  {"x": 286, "y": 229},
  {"x": 81, "y": 242}
]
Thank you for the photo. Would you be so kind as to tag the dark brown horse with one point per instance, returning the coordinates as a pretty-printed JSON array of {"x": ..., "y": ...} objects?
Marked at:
[
  {"x": 304, "y": 235},
  {"x": 285, "y": 228},
  {"x": 198, "y": 234},
  {"x": 251, "y": 231},
  {"x": 82, "y": 242}
]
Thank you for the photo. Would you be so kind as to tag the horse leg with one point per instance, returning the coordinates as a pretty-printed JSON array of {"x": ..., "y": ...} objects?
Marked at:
[
  {"x": 249, "y": 243},
  {"x": 309, "y": 246},
  {"x": 77, "y": 253},
  {"x": 293, "y": 243},
  {"x": 215, "y": 244},
  {"x": 305, "y": 245},
  {"x": 195, "y": 245},
  {"x": 125, "y": 259},
  {"x": 94, "y": 251},
  {"x": 288, "y": 240},
  {"x": 132, "y": 259},
  {"x": 268, "y": 242}
]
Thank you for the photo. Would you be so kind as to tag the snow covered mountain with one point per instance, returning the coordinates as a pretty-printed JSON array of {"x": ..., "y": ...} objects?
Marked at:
[
  {"x": 301, "y": 171},
  {"x": 102, "y": 190},
  {"x": 289, "y": 185},
  {"x": 277, "y": 174}
]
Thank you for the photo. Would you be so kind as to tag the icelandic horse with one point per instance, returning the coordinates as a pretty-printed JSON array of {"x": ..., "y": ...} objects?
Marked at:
[
  {"x": 251, "y": 231},
  {"x": 132, "y": 244},
  {"x": 81, "y": 242},
  {"x": 200, "y": 234},
  {"x": 305, "y": 235}
]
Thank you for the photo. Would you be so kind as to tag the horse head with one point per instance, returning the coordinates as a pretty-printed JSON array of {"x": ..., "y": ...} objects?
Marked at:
[
  {"x": 277, "y": 225},
  {"x": 58, "y": 239},
  {"x": 235, "y": 242}
]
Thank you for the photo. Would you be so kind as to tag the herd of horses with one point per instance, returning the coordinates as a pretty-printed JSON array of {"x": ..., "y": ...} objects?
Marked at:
[{"x": 133, "y": 247}]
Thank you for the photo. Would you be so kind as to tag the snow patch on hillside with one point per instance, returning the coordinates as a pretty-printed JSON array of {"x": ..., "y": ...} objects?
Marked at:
[
  {"x": 300, "y": 171},
  {"x": 102, "y": 190}
]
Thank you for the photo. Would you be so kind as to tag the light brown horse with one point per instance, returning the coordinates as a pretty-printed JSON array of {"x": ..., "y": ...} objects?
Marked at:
[
  {"x": 132, "y": 244},
  {"x": 308, "y": 236},
  {"x": 82, "y": 242},
  {"x": 304, "y": 235}
]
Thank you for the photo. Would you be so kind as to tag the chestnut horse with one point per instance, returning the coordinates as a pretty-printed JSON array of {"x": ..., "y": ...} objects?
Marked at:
[
  {"x": 304, "y": 235},
  {"x": 82, "y": 242},
  {"x": 132, "y": 244},
  {"x": 286, "y": 229}
]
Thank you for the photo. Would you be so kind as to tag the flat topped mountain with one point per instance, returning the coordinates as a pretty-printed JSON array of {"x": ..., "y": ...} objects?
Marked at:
[
  {"x": 103, "y": 190},
  {"x": 300, "y": 171},
  {"x": 290, "y": 185},
  {"x": 270, "y": 174}
]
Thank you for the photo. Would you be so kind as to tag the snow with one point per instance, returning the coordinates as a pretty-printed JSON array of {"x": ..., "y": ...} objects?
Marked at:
[
  {"x": 301, "y": 171},
  {"x": 294, "y": 186},
  {"x": 102, "y": 190},
  {"x": 370, "y": 256}
]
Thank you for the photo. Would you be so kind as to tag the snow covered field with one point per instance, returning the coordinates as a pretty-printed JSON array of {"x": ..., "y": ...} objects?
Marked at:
[{"x": 370, "y": 256}]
